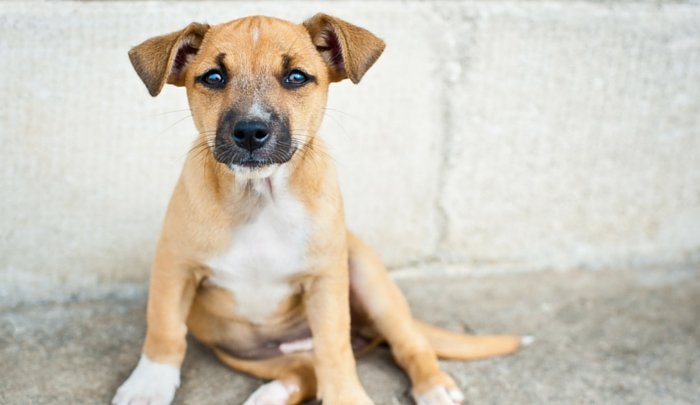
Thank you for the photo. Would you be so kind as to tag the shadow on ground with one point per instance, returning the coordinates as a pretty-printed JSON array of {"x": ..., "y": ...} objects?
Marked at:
[{"x": 602, "y": 337}]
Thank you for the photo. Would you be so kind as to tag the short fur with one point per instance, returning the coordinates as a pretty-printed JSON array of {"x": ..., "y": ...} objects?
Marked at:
[{"x": 237, "y": 234}]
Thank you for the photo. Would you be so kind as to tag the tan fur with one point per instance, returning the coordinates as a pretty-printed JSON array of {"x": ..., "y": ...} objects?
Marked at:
[{"x": 210, "y": 202}]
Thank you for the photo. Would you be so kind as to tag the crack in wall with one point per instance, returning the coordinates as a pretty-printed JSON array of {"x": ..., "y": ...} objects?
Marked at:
[{"x": 456, "y": 43}]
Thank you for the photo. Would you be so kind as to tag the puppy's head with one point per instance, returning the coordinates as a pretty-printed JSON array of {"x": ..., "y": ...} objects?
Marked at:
[{"x": 257, "y": 86}]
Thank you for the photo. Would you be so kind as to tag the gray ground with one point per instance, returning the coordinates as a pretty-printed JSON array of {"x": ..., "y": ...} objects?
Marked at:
[{"x": 602, "y": 337}]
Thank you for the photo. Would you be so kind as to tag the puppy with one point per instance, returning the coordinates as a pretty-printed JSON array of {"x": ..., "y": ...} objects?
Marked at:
[{"x": 254, "y": 258}]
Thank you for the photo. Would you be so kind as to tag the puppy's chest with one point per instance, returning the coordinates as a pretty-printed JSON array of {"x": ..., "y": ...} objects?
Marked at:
[{"x": 262, "y": 257}]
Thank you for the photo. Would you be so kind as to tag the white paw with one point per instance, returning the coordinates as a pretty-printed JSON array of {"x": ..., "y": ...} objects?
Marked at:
[
  {"x": 272, "y": 393},
  {"x": 440, "y": 396},
  {"x": 149, "y": 384}
]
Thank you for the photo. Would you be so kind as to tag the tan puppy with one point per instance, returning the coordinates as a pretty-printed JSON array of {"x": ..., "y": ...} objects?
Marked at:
[{"x": 254, "y": 258}]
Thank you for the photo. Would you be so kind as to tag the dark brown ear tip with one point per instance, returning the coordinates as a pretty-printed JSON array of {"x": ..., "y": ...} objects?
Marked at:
[
  {"x": 153, "y": 91},
  {"x": 133, "y": 57},
  {"x": 379, "y": 47},
  {"x": 382, "y": 45},
  {"x": 152, "y": 87},
  {"x": 318, "y": 16}
]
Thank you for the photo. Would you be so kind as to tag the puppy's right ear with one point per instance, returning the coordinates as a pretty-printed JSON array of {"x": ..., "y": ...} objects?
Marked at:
[{"x": 163, "y": 59}]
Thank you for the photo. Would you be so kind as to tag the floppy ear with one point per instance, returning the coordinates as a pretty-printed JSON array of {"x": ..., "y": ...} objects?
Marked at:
[
  {"x": 348, "y": 50},
  {"x": 163, "y": 59}
]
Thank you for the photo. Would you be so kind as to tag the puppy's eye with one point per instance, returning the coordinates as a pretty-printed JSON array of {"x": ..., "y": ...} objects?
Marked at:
[
  {"x": 213, "y": 78},
  {"x": 296, "y": 78}
]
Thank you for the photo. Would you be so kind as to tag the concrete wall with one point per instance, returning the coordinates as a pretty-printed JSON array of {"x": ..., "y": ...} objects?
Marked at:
[{"x": 496, "y": 135}]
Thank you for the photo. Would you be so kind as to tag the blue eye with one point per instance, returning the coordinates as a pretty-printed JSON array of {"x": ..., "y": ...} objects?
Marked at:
[
  {"x": 213, "y": 78},
  {"x": 296, "y": 78}
]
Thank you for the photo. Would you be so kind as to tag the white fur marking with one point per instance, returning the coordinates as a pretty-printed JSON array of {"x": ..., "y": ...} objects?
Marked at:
[
  {"x": 150, "y": 383},
  {"x": 272, "y": 393},
  {"x": 258, "y": 111},
  {"x": 456, "y": 395},
  {"x": 440, "y": 396},
  {"x": 256, "y": 35},
  {"x": 302, "y": 345},
  {"x": 246, "y": 173},
  {"x": 265, "y": 252}
]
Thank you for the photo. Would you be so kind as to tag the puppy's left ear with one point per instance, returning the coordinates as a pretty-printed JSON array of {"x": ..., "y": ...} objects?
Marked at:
[
  {"x": 164, "y": 58},
  {"x": 349, "y": 51}
]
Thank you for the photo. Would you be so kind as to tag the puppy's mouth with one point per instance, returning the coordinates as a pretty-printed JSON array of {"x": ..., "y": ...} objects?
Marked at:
[
  {"x": 252, "y": 163},
  {"x": 255, "y": 163},
  {"x": 233, "y": 157}
]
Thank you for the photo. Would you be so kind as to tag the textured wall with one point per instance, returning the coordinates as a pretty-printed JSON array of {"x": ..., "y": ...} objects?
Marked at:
[{"x": 516, "y": 135}]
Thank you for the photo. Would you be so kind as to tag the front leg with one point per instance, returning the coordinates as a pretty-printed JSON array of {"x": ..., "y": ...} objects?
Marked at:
[
  {"x": 328, "y": 312},
  {"x": 157, "y": 375}
]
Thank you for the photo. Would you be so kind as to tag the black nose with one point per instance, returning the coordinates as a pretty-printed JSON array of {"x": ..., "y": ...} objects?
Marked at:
[{"x": 251, "y": 135}]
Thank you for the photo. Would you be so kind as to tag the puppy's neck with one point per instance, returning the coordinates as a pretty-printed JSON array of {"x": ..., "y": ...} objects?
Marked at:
[{"x": 263, "y": 183}]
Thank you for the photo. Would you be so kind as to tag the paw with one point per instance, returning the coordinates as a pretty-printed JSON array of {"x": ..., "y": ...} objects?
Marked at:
[
  {"x": 440, "y": 395},
  {"x": 272, "y": 393},
  {"x": 149, "y": 384}
]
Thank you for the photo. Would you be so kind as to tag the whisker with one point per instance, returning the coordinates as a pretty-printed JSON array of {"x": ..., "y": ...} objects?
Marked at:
[
  {"x": 169, "y": 112},
  {"x": 175, "y": 123}
]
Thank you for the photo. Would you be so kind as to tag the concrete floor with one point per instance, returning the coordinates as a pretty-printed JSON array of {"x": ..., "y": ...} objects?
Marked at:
[{"x": 608, "y": 337}]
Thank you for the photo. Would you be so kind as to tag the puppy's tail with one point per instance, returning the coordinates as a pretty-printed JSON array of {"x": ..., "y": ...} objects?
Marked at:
[{"x": 457, "y": 346}]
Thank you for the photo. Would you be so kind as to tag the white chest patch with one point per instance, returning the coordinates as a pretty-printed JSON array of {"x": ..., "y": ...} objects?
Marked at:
[{"x": 263, "y": 255}]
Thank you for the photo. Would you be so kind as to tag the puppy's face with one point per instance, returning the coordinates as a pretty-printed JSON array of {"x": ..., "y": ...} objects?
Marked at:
[
  {"x": 257, "y": 89},
  {"x": 257, "y": 86}
]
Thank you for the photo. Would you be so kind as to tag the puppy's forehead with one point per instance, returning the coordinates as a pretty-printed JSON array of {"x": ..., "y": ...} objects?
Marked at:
[{"x": 256, "y": 37}]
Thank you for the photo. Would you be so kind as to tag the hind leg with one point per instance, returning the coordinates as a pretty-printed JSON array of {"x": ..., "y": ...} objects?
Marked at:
[
  {"x": 292, "y": 375},
  {"x": 384, "y": 305}
]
